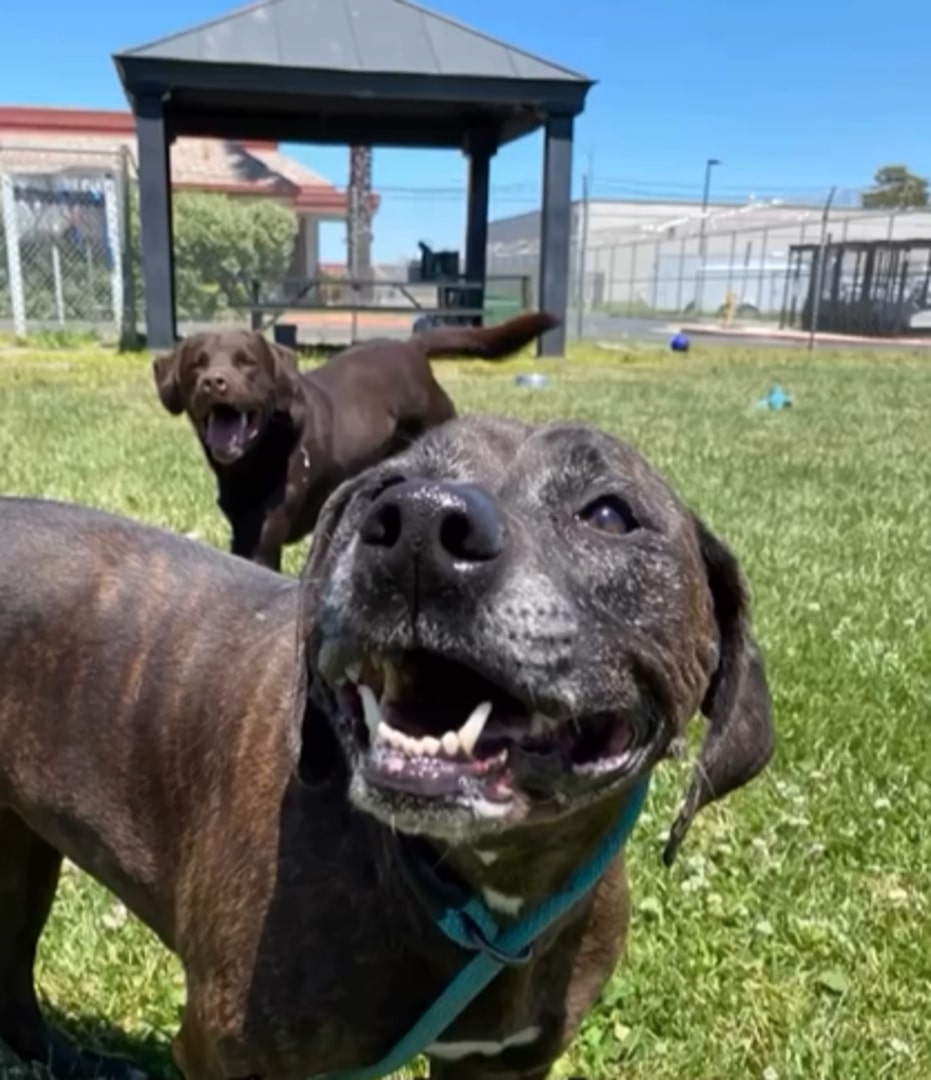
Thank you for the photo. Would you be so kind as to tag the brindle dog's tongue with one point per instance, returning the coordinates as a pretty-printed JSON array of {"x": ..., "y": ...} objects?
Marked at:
[{"x": 225, "y": 430}]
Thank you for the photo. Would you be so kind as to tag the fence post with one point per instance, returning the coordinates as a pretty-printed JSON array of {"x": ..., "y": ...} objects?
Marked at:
[
  {"x": 632, "y": 297},
  {"x": 654, "y": 300},
  {"x": 582, "y": 240},
  {"x": 255, "y": 315},
  {"x": 764, "y": 244},
  {"x": 612, "y": 251},
  {"x": 13, "y": 263},
  {"x": 111, "y": 208},
  {"x": 730, "y": 268},
  {"x": 681, "y": 274},
  {"x": 819, "y": 283},
  {"x": 59, "y": 287},
  {"x": 130, "y": 315}
]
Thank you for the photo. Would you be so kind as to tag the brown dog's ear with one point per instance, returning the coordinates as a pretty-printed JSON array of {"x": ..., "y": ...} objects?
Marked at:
[
  {"x": 285, "y": 358},
  {"x": 167, "y": 372},
  {"x": 281, "y": 364},
  {"x": 740, "y": 737}
]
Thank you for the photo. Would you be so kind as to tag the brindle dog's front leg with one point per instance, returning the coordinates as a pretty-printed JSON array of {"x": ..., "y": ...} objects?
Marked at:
[{"x": 193, "y": 1050}]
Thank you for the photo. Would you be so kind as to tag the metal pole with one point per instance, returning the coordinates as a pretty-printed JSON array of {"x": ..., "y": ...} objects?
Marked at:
[
  {"x": 702, "y": 251},
  {"x": 112, "y": 217},
  {"x": 819, "y": 284},
  {"x": 612, "y": 251},
  {"x": 730, "y": 265},
  {"x": 13, "y": 259},
  {"x": 657, "y": 252},
  {"x": 632, "y": 292},
  {"x": 679, "y": 283},
  {"x": 59, "y": 287},
  {"x": 764, "y": 247},
  {"x": 582, "y": 253},
  {"x": 128, "y": 336}
]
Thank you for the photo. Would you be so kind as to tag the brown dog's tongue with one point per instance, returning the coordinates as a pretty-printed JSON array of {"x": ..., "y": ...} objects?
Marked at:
[{"x": 225, "y": 430}]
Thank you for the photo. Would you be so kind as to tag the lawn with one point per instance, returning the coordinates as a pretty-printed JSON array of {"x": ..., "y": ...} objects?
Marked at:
[{"x": 792, "y": 938}]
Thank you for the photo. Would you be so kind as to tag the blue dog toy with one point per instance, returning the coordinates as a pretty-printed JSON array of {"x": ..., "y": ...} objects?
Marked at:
[
  {"x": 777, "y": 398},
  {"x": 679, "y": 343},
  {"x": 533, "y": 380}
]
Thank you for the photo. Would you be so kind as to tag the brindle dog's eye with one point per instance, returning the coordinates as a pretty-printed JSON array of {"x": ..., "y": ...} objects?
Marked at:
[{"x": 609, "y": 514}]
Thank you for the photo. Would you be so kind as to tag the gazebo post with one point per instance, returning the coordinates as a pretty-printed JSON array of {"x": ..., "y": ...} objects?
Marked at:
[
  {"x": 227, "y": 79},
  {"x": 556, "y": 230},
  {"x": 158, "y": 271},
  {"x": 480, "y": 146}
]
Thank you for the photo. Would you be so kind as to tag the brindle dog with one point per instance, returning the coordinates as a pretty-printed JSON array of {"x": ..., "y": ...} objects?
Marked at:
[{"x": 498, "y": 633}]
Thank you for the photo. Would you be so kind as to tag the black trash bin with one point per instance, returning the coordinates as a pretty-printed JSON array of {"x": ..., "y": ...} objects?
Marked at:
[{"x": 286, "y": 334}]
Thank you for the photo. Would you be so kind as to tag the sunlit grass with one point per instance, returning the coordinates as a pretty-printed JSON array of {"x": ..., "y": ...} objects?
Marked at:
[{"x": 792, "y": 938}]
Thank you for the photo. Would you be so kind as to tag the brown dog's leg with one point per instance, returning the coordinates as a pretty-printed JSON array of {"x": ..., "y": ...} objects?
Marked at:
[{"x": 29, "y": 871}]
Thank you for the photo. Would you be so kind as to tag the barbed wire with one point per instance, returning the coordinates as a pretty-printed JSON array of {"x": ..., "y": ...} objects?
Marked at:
[{"x": 618, "y": 189}]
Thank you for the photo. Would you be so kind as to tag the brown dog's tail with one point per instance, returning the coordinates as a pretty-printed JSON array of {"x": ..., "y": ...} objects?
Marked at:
[{"x": 486, "y": 342}]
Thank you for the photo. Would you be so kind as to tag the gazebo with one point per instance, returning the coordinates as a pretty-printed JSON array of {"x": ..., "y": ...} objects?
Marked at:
[{"x": 355, "y": 72}]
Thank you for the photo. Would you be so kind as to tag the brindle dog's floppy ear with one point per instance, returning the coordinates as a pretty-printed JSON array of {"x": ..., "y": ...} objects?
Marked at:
[
  {"x": 166, "y": 370},
  {"x": 740, "y": 737}
]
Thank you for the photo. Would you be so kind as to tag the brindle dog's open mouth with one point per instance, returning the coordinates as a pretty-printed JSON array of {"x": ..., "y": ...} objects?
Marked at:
[
  {"x": 432, "y": 727},
  {"x": 228, "y": 431}
]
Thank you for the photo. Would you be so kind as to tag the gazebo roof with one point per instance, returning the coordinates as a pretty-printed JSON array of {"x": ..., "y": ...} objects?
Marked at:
[{"x": 387, "y": 72}]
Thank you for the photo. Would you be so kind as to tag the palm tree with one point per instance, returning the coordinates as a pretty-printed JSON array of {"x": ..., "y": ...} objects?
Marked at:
[{"x": 359, "y": 218}]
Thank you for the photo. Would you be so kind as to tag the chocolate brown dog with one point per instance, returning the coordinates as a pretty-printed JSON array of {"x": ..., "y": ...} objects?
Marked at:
[
  {"x": 498, "y": 634},
  {"x": 280, "y": 441}
]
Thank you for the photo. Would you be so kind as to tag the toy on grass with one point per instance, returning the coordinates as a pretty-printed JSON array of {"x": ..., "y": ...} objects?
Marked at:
[
  {"x": 532, "y": 380},
  {"x": 679, "y": 343},
  {"x": 777, "y": 398}
]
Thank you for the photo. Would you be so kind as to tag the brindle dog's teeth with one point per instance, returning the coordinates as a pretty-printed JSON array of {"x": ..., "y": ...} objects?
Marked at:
[
  {"x": 453, "y": 743},
  {"x": 472, "y": 729},
  {"x": 391, "y": 690},
  {"x": 354, "y": 672},
  {"x": 371, "y": 711}
]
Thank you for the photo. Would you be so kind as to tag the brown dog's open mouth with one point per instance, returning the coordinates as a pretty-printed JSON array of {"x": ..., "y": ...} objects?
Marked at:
[
  {"x": 432, "y": 727},
  {"x": 228, "y": 431}
]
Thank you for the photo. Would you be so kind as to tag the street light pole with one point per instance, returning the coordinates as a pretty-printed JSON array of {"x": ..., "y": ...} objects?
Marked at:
[{"x": 702, "y": 251}]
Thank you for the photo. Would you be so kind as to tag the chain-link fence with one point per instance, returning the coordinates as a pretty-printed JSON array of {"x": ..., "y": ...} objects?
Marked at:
[
  {"x": 766, "y": 266},
  {"x": 64, "y": 241},
  {"x": 69, "y": 259}
]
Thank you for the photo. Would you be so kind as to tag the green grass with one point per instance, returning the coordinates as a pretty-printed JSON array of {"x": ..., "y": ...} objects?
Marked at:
[{"x": 792, "y": 938}]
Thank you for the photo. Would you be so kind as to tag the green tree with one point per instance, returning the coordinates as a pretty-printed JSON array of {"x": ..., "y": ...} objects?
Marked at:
[
  {"x": 894, "y": 187},
  {"x": 220, "y": 242}
]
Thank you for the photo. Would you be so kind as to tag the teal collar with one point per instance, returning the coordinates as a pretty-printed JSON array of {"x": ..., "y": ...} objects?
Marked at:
[{"x": 472, "y": 926}]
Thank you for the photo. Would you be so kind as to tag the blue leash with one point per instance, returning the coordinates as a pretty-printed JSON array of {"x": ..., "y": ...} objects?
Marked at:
[{"x": 500, "y": 947}]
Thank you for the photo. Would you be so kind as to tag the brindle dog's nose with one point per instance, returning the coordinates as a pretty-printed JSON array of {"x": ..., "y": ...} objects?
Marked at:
[{"x": 433, "y": 531}]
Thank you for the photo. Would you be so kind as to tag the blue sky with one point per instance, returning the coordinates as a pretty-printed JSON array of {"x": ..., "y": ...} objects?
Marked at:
[{"x": 792, "y": 96}]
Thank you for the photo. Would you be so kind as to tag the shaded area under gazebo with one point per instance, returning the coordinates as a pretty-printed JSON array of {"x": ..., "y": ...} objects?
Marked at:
[{"x": 355, "y": 72}]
